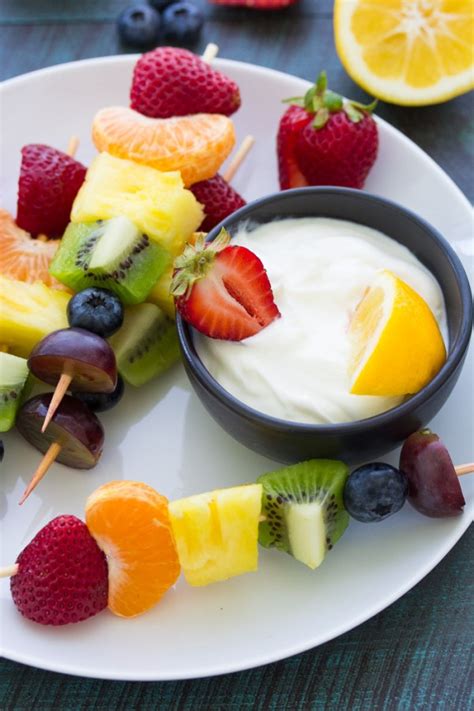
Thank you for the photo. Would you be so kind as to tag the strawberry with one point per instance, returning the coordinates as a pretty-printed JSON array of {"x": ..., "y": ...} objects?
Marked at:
[
  {"x": 49, "y": 182},
  {"x": 62, "y": 575},
  {"x": 256, "y": 4},
  {"x": 292, "y": 122},
  {"x": 223, "y": 291},
  {"x": 218, "y": 198},
  {"x": 336, "y": 145},
  {"x": 175, "y": 82}
]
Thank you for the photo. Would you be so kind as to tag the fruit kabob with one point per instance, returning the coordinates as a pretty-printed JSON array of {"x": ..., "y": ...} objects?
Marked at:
[
  {"x": 78, "y": 358},
  {"x": 120, "y": 559}
]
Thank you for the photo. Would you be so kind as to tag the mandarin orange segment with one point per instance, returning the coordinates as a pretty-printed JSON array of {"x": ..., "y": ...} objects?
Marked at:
[
  {"x": 196, "y": 145},
  {"x": 130, "y": 522},
  {"x": 24, "y": 258}
]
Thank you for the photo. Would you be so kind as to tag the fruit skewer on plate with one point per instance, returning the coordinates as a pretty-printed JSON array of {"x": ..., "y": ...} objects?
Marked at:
[{"x": 128, "y": 562}]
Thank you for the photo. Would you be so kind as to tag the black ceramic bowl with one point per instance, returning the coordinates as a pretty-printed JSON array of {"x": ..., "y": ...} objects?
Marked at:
[{"x": 366, "y": 439}]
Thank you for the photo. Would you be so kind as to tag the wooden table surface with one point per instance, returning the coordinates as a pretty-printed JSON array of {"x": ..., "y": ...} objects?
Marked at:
[{"x": 415, "y": 655}]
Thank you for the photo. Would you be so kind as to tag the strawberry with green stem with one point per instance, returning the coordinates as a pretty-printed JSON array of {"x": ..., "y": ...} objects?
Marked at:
[
  {"x": 324, "y": 139},
  {"x": 223, "y": 290}
]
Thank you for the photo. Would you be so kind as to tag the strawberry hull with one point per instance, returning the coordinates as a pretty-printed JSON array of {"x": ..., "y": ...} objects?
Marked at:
[{"x": 368, "y": 439}]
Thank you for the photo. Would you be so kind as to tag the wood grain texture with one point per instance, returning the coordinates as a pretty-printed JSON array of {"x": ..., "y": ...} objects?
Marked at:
[{"x": 416, "y": 655}]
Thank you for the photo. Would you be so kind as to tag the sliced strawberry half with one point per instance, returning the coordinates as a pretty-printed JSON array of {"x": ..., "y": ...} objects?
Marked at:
[
  {"x": 292, "y": 123},
  {"x": 223, "y": 291}
]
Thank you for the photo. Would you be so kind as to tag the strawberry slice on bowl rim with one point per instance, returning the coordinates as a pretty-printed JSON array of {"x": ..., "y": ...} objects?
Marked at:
[{"x": 223, "y": 290}]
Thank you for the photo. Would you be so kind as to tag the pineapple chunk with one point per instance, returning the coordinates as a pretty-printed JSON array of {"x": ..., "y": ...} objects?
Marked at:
[
  {"x": 160, "y": 294},
  {"x": 156, "y": 202},
  {"x": 217, "y": 533},
  {"x": 28, "y": 312}
]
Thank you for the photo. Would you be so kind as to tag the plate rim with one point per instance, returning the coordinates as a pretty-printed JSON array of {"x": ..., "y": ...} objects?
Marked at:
[{"x": 291, "y": 649}]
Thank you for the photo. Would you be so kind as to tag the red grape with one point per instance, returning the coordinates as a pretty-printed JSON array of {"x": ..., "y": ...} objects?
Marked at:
[
  {"x": 433, "y": 485},
  {"x": 84, "y": 355},
  {"x": 73, "y": 426}
]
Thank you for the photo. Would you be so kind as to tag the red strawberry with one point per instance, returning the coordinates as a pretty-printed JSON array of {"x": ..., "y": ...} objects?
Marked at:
[
  {"x": 292, "y": 123},
  {"x": 223, "y": 291},
  {"x": 49, "y": 182},
  {"x": 174, "y": 82},
  {"x": 218, "y": 198},
  {"x": 256, "y": 4},
  {"x": 338, "y": 143},
  {"x": 62, "y": 575}
]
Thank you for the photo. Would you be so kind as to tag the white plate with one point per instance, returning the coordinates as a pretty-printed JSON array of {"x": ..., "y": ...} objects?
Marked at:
[{"x": 163, "y": 436}]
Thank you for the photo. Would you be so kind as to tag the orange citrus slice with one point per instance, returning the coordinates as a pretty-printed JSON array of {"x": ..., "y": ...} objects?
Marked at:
[
  {"x": 397, "y": 346},
  {"x": 24, "y": 258},
  {"x": 130, "y": 522},
  {"x": 196, "y": 145},
  {"x": 409, "y": 52}
]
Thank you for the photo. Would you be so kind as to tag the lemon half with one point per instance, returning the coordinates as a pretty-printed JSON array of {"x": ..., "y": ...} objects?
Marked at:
[
  {"x": 396, "y": 343},
  {"x": 409, "y": 52}
]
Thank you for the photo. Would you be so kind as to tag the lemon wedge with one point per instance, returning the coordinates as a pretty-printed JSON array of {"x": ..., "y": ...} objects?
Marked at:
[
  {"x": 409, "y": 52},
  {"x": 396, "y": 344}
]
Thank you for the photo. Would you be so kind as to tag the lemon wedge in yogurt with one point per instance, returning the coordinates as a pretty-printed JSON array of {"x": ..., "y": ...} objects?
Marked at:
[{"x": 396, "y": 343}]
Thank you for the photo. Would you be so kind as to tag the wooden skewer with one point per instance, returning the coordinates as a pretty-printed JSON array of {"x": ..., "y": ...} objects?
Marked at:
[
  {"x": 72, "y": 146},
  {"x": 239, "y": 157},
  {"x": 9, "y": 571},
  {"x": 61, "y": 388},
  {"x": 210, "y": 53},
  {"x": 44, "y": 465},
  {"x": 465, "y": 469}
]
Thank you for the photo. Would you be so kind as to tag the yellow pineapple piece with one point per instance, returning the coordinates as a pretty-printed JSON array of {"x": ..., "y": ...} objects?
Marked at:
[
  {"x": 157, "y": 202},
  {"x": 160, "y": 294},
  {"x": 216, "y": 534},
  {"x": 28, "y": 312}
]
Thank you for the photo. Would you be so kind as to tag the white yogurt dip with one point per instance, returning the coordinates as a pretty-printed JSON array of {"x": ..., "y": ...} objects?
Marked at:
[{"x": 319, "y": 268}]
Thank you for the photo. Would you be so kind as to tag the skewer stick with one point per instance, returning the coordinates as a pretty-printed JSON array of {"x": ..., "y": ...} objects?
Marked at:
[
  {"x": 61, "y": 389},
  {"x": 464, "y": 469},
  {"x": 72, "y": 146},
  {"x": 239, "y": 157},
  {"x": 44, "y": 465},
  {"x": 9, "y": 571},
  {"x": 210, "y": 53}
]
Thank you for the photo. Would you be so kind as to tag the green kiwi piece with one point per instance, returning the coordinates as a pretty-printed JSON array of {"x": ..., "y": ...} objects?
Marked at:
[
  {"x": 146, "y": 344},
  {"x": 113, "y": 254},
  {"x": 13, "y": 379},
  {"x": 304, "y": 510}
]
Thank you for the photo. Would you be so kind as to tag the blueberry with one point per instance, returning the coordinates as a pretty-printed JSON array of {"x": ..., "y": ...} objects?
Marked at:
[
  {"x": 182, "y": 23},
  {"x": 97, "y": 310},
  {"x": 374, "y": 492},
  {"x": 160, "y": 4},
  {"x": 99, "y": 402},
  {"x": 139, "y": 25}
]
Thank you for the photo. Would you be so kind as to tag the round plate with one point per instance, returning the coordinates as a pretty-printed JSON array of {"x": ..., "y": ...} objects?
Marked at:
[{"x": 162, "y": 435}]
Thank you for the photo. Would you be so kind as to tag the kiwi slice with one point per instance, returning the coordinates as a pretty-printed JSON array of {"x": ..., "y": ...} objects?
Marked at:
[
  {"x": 146, "y": 344},
  {"x": 13, "y": 377},
  {"x": 111, "y": 253},
  {"x": 304, "y": 510}
]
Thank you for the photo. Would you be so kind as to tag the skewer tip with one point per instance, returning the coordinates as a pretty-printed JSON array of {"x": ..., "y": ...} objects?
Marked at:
[{"x": 9, "y": 571}]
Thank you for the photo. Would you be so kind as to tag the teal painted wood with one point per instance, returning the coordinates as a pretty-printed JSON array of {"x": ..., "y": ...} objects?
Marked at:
[{"x": 414, "y": 656}]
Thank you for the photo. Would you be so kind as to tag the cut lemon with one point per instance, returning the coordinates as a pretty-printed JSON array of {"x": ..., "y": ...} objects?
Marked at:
[
  {"x": 397, "y": 347},
  {"x": 409, "y": 52}
]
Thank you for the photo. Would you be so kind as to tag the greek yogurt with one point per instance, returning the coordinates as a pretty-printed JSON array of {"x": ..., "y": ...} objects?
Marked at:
[{"x": 319, "y": 268}]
